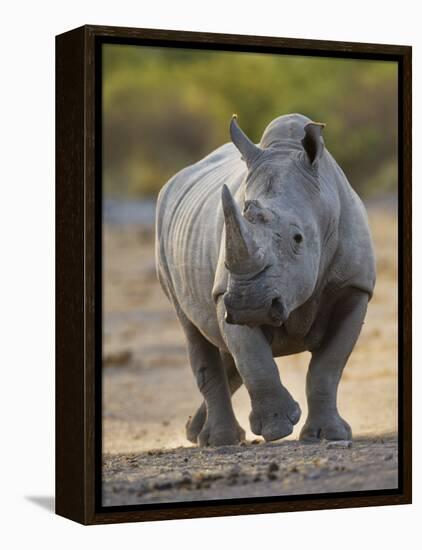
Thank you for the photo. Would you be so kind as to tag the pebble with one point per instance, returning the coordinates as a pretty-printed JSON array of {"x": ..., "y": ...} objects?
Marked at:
[
  {"x": 155, "y": 452},
  {"x": 234, "y": 471},
  {"x": 273, "y": 467},
  {"x": 320, "y": 461},
  {"x": 163, "y": 485}
]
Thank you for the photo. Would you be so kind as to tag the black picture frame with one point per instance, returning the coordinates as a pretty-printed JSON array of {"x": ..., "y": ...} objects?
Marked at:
[{"x": 78, "y": 273}]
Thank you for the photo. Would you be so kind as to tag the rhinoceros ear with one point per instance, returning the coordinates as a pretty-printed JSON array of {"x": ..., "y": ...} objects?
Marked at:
[
  {"x": 250, "y": 152},
  {"x": 313, "y": 142}
]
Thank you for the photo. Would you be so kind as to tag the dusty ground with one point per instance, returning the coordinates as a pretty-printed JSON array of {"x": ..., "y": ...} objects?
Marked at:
[
  {"x": 149, "y": 392},
  {"x": 250, "y": 470}
]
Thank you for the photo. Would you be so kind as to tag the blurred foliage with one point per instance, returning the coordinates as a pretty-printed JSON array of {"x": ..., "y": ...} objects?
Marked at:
[{"x": 164, "y": 109}]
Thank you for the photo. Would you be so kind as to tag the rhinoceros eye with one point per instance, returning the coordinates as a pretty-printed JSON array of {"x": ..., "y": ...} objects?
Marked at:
[{"x": 297, "y": 240}]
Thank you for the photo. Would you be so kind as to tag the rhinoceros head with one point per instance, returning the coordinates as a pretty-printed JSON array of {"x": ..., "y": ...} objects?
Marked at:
[{"x": 274, "y": 229}]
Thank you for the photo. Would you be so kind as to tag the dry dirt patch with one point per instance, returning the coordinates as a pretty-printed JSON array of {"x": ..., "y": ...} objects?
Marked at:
[{"x": 149, "y": 390}]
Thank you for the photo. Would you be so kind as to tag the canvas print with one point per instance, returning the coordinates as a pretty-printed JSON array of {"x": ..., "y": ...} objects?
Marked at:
[{"x": 250, "y": 288}]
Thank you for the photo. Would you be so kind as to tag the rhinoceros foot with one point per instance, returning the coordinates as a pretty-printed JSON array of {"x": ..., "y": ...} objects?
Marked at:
[
  {"x": 332, "y": 428},
  {"x": 216, "y": 436},
  {"x": 275, "y": 419},
  {"x": 197, "y": 424}
]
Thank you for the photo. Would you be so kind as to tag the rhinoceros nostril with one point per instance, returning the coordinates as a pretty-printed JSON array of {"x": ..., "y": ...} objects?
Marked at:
[
  {"x": 277, "y": 310},
  {"x": 276, "y": 303}
]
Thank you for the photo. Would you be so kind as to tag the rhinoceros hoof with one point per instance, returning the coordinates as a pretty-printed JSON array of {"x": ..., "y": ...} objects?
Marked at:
[
  {"x": 275, "y": 422},
  {"x": 220, "y": 435},
  {"x": 333, "y": 429}
]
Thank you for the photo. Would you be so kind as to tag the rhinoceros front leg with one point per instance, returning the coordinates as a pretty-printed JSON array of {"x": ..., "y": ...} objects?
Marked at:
[
  {"x": 220, "y": 426},
  {"x": 274, "y": 411},
  {"x": 197, "y": 421},
  {"x": 326, "y": 367}
]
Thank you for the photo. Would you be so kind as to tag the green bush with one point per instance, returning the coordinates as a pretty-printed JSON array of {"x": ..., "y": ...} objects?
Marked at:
[{"x": 166, "y": 108}]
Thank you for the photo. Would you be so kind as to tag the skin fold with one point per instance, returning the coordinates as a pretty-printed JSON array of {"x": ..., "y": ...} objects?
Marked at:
[{"x": 265, "y": 251}]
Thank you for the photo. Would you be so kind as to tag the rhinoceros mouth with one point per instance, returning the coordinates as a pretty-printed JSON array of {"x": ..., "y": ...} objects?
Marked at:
[{"x": 272, "y": 314}]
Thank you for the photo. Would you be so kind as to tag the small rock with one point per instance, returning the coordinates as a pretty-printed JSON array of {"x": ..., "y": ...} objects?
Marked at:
[
  {"x": 339, "y": 444},
  {"x": 186, "y": 481},
  {"x": 163, "y": 485},
  {"x": 320, "y": 461},
  {"x": 273, "y": 467},
  {"x": 155, "y": 452},
  {"x": 210, "y": 476},
  {"x": 235, "y": 471}
]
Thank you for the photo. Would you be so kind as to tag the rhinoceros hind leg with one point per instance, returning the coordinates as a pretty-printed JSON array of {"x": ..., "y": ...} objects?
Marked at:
[
  {"x": 220, "y": 426},
  {"x": 216, "y": 438},
  {"x": 196, "y": 422}
]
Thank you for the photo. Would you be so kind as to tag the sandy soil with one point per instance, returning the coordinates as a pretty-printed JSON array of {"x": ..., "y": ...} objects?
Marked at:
[
  {"x": 250, "y": 470},
  {"x": 149, "y": 392}
]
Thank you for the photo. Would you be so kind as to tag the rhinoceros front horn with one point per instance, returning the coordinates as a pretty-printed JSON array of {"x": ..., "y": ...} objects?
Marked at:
[
  {"x": 250, "y": 151},
  {"x": 243, "y": 256}
]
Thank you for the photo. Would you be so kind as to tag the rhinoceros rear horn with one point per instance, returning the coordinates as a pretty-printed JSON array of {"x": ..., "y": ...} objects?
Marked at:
[
  {"x": 250, "y": 152},
  {"x": 242, "y": 253},
  {"x": 313, "y": 142}
]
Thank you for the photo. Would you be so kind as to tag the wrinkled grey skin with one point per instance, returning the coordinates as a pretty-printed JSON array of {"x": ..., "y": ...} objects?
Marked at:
[{"x": 265, "y": 251}]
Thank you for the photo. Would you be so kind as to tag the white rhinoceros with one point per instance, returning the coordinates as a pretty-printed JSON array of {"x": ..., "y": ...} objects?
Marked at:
[{"x": 265, "y": 251}]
